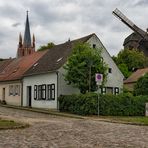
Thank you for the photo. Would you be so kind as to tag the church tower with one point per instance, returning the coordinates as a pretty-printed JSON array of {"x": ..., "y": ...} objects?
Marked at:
[{"x": 26, "y": 47}]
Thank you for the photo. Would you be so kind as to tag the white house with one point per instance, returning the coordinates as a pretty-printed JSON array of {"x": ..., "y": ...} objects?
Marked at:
[{"x": 44, "y": 81}]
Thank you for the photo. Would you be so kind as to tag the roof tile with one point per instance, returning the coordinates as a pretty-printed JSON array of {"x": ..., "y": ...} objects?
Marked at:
[
  {"x": 136, "y": 75},
  {"x": 15, "y": 68}
]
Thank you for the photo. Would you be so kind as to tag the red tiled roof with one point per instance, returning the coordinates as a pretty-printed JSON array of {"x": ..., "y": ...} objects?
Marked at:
[
  {"x": 15, "y": 68},
  {"x": 136, "y": 75},
  {"x": 4, "y": 64}
]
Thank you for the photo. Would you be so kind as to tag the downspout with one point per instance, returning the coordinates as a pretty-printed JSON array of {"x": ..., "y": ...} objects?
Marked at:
[
  {"x": 22, "y": 92},
  {"x": 57, "y": 72}
]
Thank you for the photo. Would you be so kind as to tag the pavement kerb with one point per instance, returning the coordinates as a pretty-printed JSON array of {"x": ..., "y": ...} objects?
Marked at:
[
  {"x": 44, "y": 111},
  {"x": 61, "y": 114}
]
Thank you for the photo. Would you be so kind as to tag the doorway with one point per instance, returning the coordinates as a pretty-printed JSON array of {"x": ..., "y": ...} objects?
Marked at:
[
  {"x": 4, "y": 94},
  {"x": 29, "y": 95}
]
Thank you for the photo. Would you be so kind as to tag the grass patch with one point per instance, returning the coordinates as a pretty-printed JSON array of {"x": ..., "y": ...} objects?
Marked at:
[
  {"x": 129, "y": 120},
  {"x": 10, "y": 124}
]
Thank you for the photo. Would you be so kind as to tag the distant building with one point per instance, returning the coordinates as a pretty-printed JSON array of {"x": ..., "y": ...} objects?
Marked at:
[
  {"x": 27, "y": 46},
  {"x": 131, "y": 81},
  {"x": 135, "y": 41}
]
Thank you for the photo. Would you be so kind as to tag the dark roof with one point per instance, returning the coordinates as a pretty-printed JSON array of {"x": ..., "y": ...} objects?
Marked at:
[
  {"x": 136, "y": 75},
  {"x": 27, "y": 36},
  {"x": 132, "y": 37},
  {"x": 13, "y": 69},
  {"x": 55, "y": 57}
]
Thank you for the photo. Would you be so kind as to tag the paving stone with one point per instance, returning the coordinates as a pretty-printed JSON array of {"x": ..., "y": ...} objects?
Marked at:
[{"x": 48, "y": 131}]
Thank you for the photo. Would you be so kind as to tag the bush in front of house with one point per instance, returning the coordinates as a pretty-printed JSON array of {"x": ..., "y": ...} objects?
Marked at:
[
  {"x": 82, "y": 104},
  {"x": 119, "y": 105}
]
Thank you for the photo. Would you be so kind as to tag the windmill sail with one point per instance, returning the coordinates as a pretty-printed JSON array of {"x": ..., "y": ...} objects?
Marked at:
[{"x": 129, "y": 23}]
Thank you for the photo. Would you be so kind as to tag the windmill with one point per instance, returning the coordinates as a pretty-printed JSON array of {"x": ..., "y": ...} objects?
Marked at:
[{"x": 138, "y": 39}]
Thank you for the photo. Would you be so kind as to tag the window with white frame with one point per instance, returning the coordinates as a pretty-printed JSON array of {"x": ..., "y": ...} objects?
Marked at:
[
  {"x": 10, "y": 90},
  {"x": 51, "y": 92},
  {"x": 103, "y": 90},
  {"x": 14, "y": 90},
  {"x": 17, "y": 90},
  {"x": 44, "y": 92},
  {"x": 35, "y": 92},
  {"x": 116, "y": 90},
  {"x": 39, "y": 92}
]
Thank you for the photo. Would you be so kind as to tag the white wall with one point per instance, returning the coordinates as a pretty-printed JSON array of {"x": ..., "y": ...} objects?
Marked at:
[
  {"x": 10, "y": 99},
  {"x": 63, "y": 87},
  {"x": 48, "y": 78},
  {"x": 114, "y": 79}
]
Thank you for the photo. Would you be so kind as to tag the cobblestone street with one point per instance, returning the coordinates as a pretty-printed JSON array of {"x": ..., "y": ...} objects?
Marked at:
[{"x": 48, "y": 131}]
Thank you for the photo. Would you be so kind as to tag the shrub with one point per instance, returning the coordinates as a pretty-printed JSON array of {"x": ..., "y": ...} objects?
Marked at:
[
  {"x": 141, "y": 87},
  {"x": 120, "y": 105}
]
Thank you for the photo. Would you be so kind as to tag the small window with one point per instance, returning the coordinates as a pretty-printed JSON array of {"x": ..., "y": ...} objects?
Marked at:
[
  {"x": 17, "y": 89},
  {"x": 110, "y": 70},
  {"x": 48, "y": 91},
  {"x": 35, "y": 92},
  {"x": 44, "y": 92},
  {"x": 39, "y": 92},
  {"x": 116, "y": 90},
  {"x": 103, "y": 90},
  {"x": 51, "y": 92},
  {"x": 94, "y": 45},
  {"x": 10, "y": 90}
]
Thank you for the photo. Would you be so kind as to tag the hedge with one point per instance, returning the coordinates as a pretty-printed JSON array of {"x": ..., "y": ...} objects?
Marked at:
[{"x": 114, "y": 105}]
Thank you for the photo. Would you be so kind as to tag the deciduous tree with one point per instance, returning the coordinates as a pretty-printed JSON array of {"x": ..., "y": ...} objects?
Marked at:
[
  {"x": 82, "y": 66},
  {"x": 48, "y": 46}
]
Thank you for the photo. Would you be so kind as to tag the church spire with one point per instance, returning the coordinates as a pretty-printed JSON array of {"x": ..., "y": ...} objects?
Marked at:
[
  {"x": 27, "y": 47},
  {"x": 27, "y": 36}
]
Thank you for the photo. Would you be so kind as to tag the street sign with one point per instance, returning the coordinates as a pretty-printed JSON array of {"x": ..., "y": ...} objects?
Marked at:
[{"x": 99, "y": 77}]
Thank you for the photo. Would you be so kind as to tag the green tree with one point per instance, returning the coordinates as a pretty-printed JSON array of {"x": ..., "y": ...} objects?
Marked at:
[
  {"x": 48, "y": 46},
  {"x": 124, "y": 69},
  {"x": 128, "y": 60},
  {"x": 141, "y": 87},
  {"x": 82, "y": 65}
]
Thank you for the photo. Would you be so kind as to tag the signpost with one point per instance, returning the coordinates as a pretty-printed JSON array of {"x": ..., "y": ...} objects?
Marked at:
[{"x": 99, "y": 79}]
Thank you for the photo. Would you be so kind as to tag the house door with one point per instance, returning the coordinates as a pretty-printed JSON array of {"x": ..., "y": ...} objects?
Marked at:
[
  {"x": 3, "y": 93},
  {"x": 29, "y": 96}
]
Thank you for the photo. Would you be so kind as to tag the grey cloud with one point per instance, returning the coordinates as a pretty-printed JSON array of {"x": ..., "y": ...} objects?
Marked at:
[
  {"x": 60, "y": 19},
  {"x": 141, "y": 3},
  {"x": 15, "y": 24}
]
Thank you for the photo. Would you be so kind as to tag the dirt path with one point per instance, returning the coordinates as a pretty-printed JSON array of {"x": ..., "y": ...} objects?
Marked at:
[{"x": 48, "y": 131}]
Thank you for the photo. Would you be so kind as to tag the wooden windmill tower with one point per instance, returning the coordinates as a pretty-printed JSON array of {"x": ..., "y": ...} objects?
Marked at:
[{"x": 138, "y": 39}]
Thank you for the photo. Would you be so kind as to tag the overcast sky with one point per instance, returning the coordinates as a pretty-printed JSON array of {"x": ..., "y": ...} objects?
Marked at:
[{"x": 58, "y": 20}]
